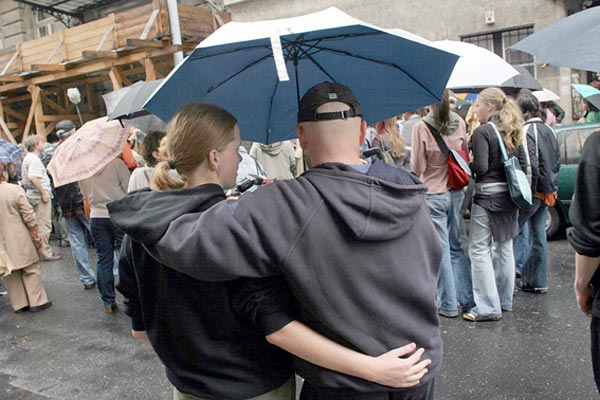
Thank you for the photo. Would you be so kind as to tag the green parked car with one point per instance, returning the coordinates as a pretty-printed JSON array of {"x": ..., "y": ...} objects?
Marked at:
[{"x": 570, "y": 139}]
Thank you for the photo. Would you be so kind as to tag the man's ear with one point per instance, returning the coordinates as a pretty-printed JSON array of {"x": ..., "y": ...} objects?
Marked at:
[
  {"x": 363, "y": 131},
  {"x": 301, "y": 136}
]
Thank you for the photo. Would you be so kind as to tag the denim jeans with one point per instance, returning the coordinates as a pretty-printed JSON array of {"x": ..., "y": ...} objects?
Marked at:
[
  {"x": 531, "y": 257},
  {"x": 107, "y": 240},
  {"x": 439, "y": 208},
  {"x": 77, "y": 225},
  {"x": 460, "y": 264},
  {"x": 492, "y": 267}
]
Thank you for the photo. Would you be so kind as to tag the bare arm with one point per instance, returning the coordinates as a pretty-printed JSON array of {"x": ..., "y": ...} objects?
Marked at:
[
  {"x": 35, "y": 181},
  {"x": 388, "y": 369},
  {"x": 584, "y": 270}
]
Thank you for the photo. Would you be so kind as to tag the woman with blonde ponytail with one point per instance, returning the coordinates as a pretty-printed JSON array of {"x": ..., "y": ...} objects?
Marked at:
[
  {"x": 214, "y": 338},
  {"x": 388, "y": 139},
  {"x": 494, "y": 217}
]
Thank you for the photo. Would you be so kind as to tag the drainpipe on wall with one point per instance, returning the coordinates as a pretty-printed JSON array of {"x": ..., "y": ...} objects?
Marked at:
[{"x": 175, "y": 29}]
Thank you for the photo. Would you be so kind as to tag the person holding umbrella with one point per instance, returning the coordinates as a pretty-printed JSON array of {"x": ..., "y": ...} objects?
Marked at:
[{"x": 354, "y": 241}]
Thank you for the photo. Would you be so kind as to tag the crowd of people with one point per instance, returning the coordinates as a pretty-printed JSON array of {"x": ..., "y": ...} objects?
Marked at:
[{"x": 336, "y": 264}]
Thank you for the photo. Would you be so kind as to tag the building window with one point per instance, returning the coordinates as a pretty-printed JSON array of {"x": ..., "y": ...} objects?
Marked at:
[
  {"x": 43, "y": 23},
  {"x": 499, "y": 42}
]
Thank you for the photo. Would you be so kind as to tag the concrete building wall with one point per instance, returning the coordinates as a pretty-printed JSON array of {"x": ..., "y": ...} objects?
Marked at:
[
  {"x": 436, "y": 20},
  {"x": 16, "y": 23}
]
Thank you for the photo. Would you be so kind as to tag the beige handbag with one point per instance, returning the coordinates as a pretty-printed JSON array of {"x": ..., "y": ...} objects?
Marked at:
[{"x": 6, "y": 265}]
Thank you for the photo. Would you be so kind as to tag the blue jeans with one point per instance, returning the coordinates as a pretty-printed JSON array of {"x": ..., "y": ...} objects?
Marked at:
[
  {"x": 439, "y": 208},
  {"x": 492, "y": 267},
  {"x": 531, "y": 256},
  {"x": 77, "y": 225},
  {"x": 460, "y": 264},
  {"x": 107, "y": 240}
]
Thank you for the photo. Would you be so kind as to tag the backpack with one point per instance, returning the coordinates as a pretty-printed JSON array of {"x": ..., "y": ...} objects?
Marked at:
[{"x": 385, "y": 154}]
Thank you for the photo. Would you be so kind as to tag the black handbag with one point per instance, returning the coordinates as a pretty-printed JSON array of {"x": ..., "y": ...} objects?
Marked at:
[{"x": 518, "y": 185}]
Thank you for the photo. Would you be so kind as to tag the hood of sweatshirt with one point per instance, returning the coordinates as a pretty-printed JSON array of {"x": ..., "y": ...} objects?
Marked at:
[
  {"x": 145, "y": 215},
  {"x": 445, "y": 129},
  {"x": 370, "y": 205},
  {"x": 272, "y": 149}
]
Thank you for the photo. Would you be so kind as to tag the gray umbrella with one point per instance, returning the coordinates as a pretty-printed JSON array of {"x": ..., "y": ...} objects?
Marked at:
[
  {"x": 571, "y": 42},
  {"x": 126, "y": 104},
  {"x": 511, "y": 86}
]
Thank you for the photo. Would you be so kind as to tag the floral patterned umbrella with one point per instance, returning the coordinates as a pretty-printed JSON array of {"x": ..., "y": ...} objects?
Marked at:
[{"x": 87, "y": 151}]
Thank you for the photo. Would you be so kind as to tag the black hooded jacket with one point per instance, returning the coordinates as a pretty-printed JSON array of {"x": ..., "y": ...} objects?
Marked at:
[{"x": 209, "y": 335}]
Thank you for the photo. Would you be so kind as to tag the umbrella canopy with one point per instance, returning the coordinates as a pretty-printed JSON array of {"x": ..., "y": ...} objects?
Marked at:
[
  {"x": 589, "y": 93},
  {"x": 545, "y": 95},
  {"x": 571, "y": 42},
  {"x": 259, "y": 70},
  {"x": 10, "y": 153},
  {"x": 476, "y": 68},
  {"x": 87, "y": 151},
  {"x": 125, "y": 104},
  {"x": 522, "y": 81}
]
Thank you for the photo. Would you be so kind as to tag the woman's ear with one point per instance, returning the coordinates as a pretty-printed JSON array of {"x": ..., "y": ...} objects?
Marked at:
[{"x": 213, "y": 160}]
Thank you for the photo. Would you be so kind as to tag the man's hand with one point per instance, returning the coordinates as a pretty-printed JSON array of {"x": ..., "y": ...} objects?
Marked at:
[
  {"x": 584, "y": 299},
  {"x": 390, "y": 369},
  {"x": 45, "y": 197}
]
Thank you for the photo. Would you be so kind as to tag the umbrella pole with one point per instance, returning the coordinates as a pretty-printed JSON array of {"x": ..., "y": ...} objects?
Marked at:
[{"x": 79, "y": 114}]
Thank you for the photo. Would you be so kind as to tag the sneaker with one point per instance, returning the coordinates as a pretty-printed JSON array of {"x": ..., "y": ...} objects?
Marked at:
[
  {"x": 448, "y": 314},
  {"x": 3, "y": 290},
  {"x": 88, "y": 286},
  {"x": 536, "y": 290},
  {"x": 478, "y": 318},
  {"x": 40, "y": 308},
  {"x": 52, "y": 257},
  {"x": 111, "y": 308}
]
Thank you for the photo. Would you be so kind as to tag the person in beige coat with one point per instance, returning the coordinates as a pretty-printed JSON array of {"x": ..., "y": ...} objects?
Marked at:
[{"x": 20, "y": 238}]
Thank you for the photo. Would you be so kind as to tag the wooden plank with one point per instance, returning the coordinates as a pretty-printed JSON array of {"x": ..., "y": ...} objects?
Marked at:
[
  {"x": 149, "y": 24},
  {"x": 105, "y": 36},
  {"x": 141, "y": 43},
  {"x": 14, "y": 113},
  {"x": 5, "y": 127},
  {"x": 40, "y": 126},
  {"x": 7, "y": 66},
  {"x": 35, "y": 97},
  {"x": 150, "y": 70},
  {"x": 94, "y": 66},
  {"x": 56, "y": 118},
  {"x": 115, "y": 78},
  {"x": 90, "y": 98},
  {"x": 49, "y": 67},
  {"x": 49, "y": 102},
  {"x": 11, "y": 78},
  {"x": 99, "y": 54}
]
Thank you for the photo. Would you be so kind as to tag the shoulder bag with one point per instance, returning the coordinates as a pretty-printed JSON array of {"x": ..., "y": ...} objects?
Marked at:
[
  {"x": 459, "y": 172},
  {"x": 518, "y": 185}
]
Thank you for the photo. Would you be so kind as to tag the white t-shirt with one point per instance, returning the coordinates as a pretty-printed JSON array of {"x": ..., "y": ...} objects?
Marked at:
[{"x": 32, "y": 167}]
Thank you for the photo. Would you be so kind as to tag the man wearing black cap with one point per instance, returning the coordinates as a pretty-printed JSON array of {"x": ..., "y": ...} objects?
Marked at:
[
  {"x": 70, "y": 199},
  {"x": 355, "y": 242}
]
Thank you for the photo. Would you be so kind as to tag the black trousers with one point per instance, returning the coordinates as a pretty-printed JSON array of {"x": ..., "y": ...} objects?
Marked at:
[
  {"x": 595, "y": 336},
  {"x": 312, "y": 392}
]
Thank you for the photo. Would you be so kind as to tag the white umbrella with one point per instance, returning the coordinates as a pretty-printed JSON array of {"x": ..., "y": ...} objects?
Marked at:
[
  {"x": 476, "y": 67},
  {"x": 545, "y": 95}
]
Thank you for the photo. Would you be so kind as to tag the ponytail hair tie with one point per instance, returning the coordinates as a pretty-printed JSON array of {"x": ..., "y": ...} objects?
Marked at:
[{"x": 171, "y": 164}]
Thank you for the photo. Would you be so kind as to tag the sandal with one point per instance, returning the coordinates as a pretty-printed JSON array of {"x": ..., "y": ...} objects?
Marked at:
[{"x": 477, "y": 318}]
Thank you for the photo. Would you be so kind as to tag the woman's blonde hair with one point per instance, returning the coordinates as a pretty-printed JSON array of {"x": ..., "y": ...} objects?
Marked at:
[
  {"x": 391, "y": 127},
  {"x": 192, "y": 133},
  {"x": 508, "y": 116}
]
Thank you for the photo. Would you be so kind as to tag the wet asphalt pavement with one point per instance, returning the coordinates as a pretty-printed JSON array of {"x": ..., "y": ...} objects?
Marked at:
[{"x": 74, "y": 351}]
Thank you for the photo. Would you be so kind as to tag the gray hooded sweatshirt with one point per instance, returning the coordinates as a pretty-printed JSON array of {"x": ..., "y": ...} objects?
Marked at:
[{"x": 359, "y": 251}]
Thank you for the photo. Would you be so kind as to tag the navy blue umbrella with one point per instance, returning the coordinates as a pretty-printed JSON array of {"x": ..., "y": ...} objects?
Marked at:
[{"x": 259, "y": 70}]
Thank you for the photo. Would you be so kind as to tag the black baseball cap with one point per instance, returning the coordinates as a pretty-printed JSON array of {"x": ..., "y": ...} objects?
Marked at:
[{"x": 323, "y": 93}]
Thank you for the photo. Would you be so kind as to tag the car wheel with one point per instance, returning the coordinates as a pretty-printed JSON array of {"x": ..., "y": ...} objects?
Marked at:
[{"x": 552, "y": 222}]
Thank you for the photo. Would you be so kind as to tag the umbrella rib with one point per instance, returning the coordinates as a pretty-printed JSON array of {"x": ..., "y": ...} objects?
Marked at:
[
  {"x": 395, "y": 66},
  {"x": 248, "y": 66}
]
